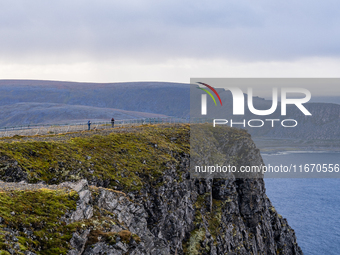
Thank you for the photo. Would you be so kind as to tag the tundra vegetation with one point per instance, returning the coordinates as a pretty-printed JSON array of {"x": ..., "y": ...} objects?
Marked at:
[{"x": 129, "y": 191}]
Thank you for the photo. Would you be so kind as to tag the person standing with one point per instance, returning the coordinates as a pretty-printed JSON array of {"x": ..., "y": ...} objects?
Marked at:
[
  {"x": 113, "y": 122},
  {"x": 89, "y": 124}
]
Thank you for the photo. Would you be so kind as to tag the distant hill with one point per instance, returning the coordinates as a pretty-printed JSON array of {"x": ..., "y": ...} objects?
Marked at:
[
  {"x": 46, "y": 113},
  {"x": 171, "y": 99}
]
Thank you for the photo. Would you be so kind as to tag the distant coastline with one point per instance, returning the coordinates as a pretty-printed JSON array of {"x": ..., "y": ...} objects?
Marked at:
[{"x": 274, "y": 146}]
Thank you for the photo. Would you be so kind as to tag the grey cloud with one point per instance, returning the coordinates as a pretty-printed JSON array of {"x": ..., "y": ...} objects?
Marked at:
[{"x": 160, "y": 30}]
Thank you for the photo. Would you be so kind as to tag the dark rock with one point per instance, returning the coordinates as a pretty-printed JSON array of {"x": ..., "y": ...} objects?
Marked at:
[
  {"x": 10, "y": 171},
  {"x": 29, "y": 253}
]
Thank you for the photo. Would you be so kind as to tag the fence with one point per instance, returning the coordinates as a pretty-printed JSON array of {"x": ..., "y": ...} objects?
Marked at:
[{"x": 47, "y": 129}]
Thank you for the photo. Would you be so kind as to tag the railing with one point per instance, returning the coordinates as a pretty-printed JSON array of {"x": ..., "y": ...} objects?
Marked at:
[{"x": 51, "y": 129}]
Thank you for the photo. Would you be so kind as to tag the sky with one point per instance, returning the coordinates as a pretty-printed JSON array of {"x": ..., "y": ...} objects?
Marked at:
[{"x": 153, "y": 40}]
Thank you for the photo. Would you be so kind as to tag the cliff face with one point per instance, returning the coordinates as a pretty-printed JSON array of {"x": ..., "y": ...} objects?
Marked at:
[{"x": 160, "y": 210}]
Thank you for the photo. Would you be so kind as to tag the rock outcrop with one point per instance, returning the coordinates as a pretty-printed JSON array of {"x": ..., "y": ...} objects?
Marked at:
[{"x": 171, "y": 213}]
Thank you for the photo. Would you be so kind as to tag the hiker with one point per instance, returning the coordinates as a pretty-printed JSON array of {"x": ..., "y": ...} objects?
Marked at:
[
  {"x": 113, "y": 122},
  {"x": 89, "y": 124}
]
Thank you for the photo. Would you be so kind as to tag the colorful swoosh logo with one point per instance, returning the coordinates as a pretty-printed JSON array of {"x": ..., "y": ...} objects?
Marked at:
[{"x": 208, "y": 92}]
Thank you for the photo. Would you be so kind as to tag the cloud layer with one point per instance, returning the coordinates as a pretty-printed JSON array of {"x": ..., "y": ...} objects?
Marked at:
[{"x": 149, "y": 32}]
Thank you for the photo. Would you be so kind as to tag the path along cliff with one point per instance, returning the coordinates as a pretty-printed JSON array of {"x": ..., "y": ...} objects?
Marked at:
[{"x": 130, "y": 192}]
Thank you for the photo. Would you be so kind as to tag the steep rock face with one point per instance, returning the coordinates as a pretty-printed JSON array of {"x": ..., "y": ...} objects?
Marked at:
[
  {"x": 195, "y": 219},
  {"x": 186, "y": 219},
  {"x": 128, "y": 233}
]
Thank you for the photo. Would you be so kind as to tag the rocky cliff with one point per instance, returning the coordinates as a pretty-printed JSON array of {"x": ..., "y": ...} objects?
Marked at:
[{"x": 130, "y": 192}]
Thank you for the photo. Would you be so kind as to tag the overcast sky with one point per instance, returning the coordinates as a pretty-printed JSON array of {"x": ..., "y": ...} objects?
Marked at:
[{"x": 141, "y": 40}]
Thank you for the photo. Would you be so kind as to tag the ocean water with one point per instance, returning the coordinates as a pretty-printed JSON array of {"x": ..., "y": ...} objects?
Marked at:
[{"x": 311, "y": 205}]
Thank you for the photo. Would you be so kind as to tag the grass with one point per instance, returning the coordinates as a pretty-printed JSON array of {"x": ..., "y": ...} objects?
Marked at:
[
  {"x": 128, "y": 160},
  {"x": 38, "y": 212},
  {"x": 125, "y": 160}
]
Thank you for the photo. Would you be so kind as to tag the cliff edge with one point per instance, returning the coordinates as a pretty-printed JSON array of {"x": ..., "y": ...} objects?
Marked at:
[{"x": 130, "y": 192}]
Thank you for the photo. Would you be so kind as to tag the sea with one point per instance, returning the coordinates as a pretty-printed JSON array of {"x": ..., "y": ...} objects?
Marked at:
[{"x": 310, "y": 204}]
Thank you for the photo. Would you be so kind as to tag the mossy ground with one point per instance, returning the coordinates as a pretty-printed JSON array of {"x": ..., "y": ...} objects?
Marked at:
[
  {"x": 125, "y": 160},
  {"x": 35, "y": 217}
]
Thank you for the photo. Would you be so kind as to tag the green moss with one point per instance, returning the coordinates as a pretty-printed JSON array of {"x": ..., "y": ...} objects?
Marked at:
[
  {"x": 136, "y": 238},
  {"x": 203, "y": 214},
  {"x": 194, "y": 244},
  {"x": 214, "y": 218},
  {"x": 39, "y": 212},
  {"x": 125, "y": 235},
  {"x": 97, "y": 235},
  {"x": 127, "y": 160}
]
